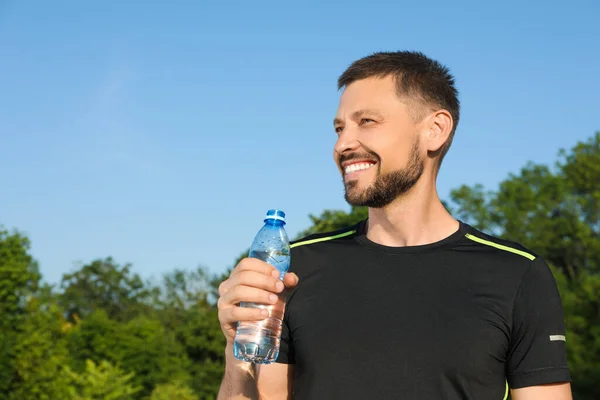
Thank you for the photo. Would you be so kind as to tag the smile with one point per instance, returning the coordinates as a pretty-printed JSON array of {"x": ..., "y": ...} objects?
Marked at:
[{"x": 349, "y": 169}]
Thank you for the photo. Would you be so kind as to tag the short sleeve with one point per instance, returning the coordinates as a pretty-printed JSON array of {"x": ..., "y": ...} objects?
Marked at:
[
  {"x": 286, "y": 347},
  {"x": 537, "y": 353}
]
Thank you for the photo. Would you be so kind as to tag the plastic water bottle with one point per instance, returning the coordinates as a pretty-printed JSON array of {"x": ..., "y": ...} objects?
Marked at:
[{"x": 258, "y": 341}]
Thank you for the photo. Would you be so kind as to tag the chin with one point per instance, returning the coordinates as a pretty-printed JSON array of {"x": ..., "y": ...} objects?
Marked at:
[
  {"x": 354, "y": 195},
  {"x": 360, "y": 184}
]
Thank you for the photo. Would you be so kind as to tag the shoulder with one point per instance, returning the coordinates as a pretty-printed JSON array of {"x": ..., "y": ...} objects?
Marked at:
[
  {"x": 316, "y": 253},
  {"x": 496, "y": 246},
  {"x": 510, "y": 262},
  {"x": 342, "y": 235}
]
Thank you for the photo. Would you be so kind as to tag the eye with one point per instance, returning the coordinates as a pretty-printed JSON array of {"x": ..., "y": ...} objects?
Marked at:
[
  {"x": 366, "y": 121},
  {"x": 338, "y": 129}
]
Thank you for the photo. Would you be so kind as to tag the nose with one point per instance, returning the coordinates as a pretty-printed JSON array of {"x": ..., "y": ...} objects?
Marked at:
[{"x": 347, "y": 141}]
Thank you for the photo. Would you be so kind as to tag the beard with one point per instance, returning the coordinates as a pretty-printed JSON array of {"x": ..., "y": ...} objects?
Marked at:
[{"x": 387, "y": 187}]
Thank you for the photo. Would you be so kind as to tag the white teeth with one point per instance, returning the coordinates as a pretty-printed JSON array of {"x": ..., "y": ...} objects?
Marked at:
[{"x": 357, "y": 167}]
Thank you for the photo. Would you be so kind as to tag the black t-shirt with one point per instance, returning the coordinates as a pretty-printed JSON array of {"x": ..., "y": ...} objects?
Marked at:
[{"x": 463, "y": 318}]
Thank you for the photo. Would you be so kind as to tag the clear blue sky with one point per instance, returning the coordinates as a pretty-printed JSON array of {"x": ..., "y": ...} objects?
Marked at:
[{"x": 159, "y": 133}]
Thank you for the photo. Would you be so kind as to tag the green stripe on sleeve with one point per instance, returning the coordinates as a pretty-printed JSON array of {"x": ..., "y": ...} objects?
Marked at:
[
  {"x": 323, "y": 239},
  {"x": 500, "y": 246}
]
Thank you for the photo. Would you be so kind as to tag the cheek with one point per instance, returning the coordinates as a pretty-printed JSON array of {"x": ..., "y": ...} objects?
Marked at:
[
  {"x": 395, "y": 154},
  {"x": 390, "y": 161}
]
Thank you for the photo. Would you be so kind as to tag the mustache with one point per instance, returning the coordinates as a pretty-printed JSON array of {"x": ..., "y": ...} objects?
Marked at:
[{"x": 358, "y": 156}]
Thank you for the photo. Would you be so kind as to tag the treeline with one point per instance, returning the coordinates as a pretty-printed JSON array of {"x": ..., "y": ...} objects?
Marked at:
[{"x": 105, "y": 333}]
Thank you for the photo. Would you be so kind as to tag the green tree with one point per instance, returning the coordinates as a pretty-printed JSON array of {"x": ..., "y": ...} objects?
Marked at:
[
  {"x": 186, "y": 310},
  {"x": 173, "y": 391},
  {"x": 104, "y": 284},
  {"x": 19, "y": 275},
  {"x": 204, "y": 345},
  {"x": 40, "y": 354},
  {"x": 142, "y": 346},
  {"x": 182, "y": 289},
  {"x": 101, "y": 381},
  {"x": 19, "y": 279}
]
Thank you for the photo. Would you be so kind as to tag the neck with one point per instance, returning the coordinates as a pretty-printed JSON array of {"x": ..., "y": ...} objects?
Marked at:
[{"x": 416, "y": 218}]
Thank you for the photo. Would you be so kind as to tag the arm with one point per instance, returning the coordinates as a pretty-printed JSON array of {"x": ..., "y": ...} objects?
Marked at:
[
  {"x": 244, "y": 380},
  {"x": 239, "y": 379},
  {"x": 251, "y": 281},
  {"x": 275, "y": 381},
  {"x": 555, "y": 391}
]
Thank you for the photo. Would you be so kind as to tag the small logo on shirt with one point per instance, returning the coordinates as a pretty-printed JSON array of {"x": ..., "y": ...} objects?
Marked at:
[{"x": 555, "y": 338}]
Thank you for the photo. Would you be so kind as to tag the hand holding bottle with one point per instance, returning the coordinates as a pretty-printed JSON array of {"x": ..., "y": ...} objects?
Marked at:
[{"x": 252, "y": 280}]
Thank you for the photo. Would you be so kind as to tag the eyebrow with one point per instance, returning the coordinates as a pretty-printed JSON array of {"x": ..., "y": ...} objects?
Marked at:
[{"x": 358, "y": 114}]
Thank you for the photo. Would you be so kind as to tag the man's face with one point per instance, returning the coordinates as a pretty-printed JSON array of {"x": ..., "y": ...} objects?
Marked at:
[{"x": 377, "y": 150}]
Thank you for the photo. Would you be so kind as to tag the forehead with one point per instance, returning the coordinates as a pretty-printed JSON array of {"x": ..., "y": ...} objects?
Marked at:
[{"x": 372, "y": 93}]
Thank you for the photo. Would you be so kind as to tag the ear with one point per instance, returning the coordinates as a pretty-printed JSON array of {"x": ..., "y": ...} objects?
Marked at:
[{"x": 439, "y": 126}]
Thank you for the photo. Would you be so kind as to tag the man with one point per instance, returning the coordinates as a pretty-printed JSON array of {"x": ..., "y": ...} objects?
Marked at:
[{"x": 410, "y": 303}]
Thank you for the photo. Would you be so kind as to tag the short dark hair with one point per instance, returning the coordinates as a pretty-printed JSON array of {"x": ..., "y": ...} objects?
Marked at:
[{"x": 418, "y": 79}]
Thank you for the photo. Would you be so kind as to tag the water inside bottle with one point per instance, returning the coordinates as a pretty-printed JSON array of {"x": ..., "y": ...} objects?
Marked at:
[
  {"x": 277, "y": 258},
  {"x": 258, "y": 341}
]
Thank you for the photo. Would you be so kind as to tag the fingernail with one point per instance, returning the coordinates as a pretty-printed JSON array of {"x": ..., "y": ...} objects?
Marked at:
[
  {"x": 279, "y": 285},
  {"x": 264, "y": 313},
  {"x": 273, "y": 298},
  {"x": 275, "y": 273}
]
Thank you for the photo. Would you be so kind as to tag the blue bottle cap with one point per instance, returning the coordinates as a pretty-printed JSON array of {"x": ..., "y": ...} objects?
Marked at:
[{"x": 275, "y": 214}]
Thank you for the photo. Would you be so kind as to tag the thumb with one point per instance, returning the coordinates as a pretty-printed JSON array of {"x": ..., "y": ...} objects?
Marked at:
[{"x": 290, "y": 279}]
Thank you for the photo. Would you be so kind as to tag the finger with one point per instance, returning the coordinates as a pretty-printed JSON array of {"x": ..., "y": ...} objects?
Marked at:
[
  {"x": 224, "y": 287},
  {"x": 290, "y": 280},
  {"x": 232, "y": 315},
  {"x": 252, "y": 278},
  {"x": 253, "y": 264},
  {"x": 247, "y": 294},
  {"x": 256, "y": 280}
]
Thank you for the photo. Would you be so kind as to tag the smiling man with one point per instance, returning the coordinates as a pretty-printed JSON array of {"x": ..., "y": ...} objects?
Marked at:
[{"x": 409, "y": 303}]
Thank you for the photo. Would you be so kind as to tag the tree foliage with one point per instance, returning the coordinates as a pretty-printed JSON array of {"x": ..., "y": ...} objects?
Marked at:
[
  {"x": 106, "y": 285},
  {"x": 173, "y": 391},
  {"x": 101, "y": 381}
]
